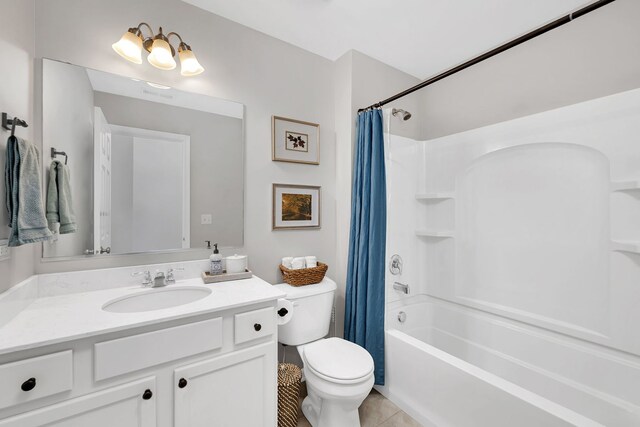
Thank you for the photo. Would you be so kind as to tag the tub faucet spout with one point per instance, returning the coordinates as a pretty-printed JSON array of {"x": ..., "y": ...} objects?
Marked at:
[{"x": 401, "y": 287}]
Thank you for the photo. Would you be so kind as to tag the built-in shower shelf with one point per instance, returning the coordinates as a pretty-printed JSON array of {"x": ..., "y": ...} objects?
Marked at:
[
  {"x": 625, "y": 185},
  {"x": 440, "y": 234},
  {"x": 434, "y": 196},
  {"x": 626, "y": 246}
]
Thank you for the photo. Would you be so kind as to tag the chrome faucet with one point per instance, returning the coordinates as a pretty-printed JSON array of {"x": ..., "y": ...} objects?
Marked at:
[
  {"x": 159, "y": 280},
  {"x": 401, "y": 287}
]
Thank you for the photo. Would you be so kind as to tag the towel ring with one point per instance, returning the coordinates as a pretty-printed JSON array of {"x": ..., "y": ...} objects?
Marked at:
[{"x": 55, "y": 153}]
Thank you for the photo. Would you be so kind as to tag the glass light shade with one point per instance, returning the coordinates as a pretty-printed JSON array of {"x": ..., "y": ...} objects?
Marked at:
[
  {"x": 189, "y": 65},
  {"x": 160, "y": 56},
  {"x": 129, "y": 47}
]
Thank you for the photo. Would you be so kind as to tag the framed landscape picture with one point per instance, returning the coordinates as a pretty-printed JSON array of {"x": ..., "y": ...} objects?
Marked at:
[
  {"x": 296, "y": 207},
  {"x": 295, "y": 141}
]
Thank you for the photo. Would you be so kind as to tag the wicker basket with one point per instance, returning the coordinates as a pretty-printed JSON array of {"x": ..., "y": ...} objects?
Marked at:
[
  {"x": 289, "y": 376},
  {"x": 304, "y": 276}
]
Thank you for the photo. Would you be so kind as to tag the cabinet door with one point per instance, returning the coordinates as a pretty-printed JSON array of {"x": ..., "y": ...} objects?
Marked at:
[
  {"x": 235, "y": 390},
  {"x": 122, "y": 406}
]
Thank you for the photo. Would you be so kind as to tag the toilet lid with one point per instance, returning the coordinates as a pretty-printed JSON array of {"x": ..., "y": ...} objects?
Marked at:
[{"x": 339, "y": 359}]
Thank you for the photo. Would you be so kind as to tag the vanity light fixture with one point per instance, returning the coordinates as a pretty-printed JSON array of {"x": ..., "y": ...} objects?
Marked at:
[{"x": 161, "y": 52}]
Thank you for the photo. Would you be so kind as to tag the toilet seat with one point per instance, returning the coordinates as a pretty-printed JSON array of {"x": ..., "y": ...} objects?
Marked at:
[{"x": 338, "y": 361}]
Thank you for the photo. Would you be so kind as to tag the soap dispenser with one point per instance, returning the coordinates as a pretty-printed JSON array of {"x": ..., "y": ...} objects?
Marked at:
[{"x": 215, "y": 261}]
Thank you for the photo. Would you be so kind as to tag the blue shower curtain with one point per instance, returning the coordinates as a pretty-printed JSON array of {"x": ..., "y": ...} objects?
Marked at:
[{"x": 364, "y": 303}]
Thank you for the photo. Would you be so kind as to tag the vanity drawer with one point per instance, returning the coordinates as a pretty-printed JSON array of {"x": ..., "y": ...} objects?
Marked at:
[
  {"x": 254, "y": 324},
  {"x": 34, "y": 378},
  {"x": 123, "y": 355}
]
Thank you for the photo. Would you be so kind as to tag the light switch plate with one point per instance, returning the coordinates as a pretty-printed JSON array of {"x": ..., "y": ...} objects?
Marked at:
[
  {"x": 205, "y": 219},
  {"x": 4, "y": 250}
]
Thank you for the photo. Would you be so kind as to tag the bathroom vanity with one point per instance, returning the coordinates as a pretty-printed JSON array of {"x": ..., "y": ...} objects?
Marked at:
[
  {"x": 110, "y": 357},
  {"x": 96, "y": 348}
]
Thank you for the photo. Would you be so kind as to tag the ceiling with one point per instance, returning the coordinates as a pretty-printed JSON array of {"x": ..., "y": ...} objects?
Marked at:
[{"x": 419, "y": 37}]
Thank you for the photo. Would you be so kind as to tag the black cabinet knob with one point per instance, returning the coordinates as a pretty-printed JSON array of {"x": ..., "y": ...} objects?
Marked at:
[
  {"x": 148, "y": 394},
  {"x": 28, "y": 385},
  {"x": 182, "y": 383},
  {"x": 257, "y": 326},
  {"x": 283, "y": 312}
]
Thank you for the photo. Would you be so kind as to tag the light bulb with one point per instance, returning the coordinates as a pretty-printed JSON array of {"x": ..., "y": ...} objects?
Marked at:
[
  {"x": 189, "y": 65},
  {"x": 161, "y": 56},
  {"x": 129, "y": 46}
]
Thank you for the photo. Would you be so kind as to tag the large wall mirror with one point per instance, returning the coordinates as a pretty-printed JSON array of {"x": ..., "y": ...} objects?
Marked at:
[{"x": 151, "y": 168}]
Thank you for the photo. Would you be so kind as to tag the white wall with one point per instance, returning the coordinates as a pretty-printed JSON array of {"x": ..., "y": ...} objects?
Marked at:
[
  {"x": 16, "y": 98},
  {"x": 242, "y": 65}
]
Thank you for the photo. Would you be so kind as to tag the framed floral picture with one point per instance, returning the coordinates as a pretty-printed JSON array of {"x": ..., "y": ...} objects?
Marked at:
[
  {"x": 296, "y": 207},
  {"x": 295, "y": 141}
]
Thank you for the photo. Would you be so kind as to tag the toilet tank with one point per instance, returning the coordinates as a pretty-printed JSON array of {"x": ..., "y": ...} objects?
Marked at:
[{"x": 311, "y": 317}]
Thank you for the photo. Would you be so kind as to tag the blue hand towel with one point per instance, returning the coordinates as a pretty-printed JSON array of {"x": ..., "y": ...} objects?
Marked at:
[
  {"x": 59, "y": 201},
  {"x": 24, "y": 194}
]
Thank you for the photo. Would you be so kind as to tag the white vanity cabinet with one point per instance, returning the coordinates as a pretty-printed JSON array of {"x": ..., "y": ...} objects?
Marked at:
[
  {"x": 236, "y": 390},
  {"x": 215, "y": 370},
  {"x": 128, "y": 405}
]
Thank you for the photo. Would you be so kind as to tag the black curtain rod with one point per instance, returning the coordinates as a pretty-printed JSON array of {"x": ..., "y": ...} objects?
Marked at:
[{"x": 513, "y": 43}]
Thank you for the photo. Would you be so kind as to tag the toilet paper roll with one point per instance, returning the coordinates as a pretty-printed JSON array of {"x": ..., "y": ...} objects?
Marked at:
[
  {"x": 298, "y": 263},
  {"x": 286, "y": 261},
  {"x": 284, "y": 310}
]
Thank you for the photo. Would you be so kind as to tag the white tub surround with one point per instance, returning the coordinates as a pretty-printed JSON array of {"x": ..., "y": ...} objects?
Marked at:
[
  {"x": 64, "y": 359},
  {"x": 521, "y": 250}
]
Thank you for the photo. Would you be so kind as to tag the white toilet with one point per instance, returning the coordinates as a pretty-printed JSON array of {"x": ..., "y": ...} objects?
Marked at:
[{"x": 339, "y": 374}]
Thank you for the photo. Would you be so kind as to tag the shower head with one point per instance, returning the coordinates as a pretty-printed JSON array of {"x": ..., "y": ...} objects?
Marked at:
[{"x": 404, "y": 115}]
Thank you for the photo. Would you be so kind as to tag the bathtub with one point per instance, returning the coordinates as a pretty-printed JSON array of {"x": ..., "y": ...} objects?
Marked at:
[{"x": 450, "y": 365}]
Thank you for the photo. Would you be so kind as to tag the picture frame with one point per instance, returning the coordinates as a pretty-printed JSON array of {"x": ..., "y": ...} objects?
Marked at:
[
  {"x": 295, "y": 141},
  {"x": 296, "y": 207}
]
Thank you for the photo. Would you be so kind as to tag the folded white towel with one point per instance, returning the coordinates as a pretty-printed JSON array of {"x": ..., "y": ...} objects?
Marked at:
[
  {"x": 286, "y": 261},
  {"x": 311, "y": 261}
]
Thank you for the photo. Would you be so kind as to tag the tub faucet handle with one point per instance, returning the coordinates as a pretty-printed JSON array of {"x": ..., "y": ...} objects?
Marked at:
[{"x": 395, "y": 265}]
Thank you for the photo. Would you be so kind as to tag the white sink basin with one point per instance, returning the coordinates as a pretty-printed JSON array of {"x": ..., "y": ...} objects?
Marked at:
[{"x": 156, "y": 299}]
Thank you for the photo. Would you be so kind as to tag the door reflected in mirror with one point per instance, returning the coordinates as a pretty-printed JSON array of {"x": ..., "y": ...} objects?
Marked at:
[{"x": 149, "y": 164}]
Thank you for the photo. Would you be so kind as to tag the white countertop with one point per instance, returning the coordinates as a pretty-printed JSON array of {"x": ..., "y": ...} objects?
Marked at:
[{"x": 55, "y": 319}]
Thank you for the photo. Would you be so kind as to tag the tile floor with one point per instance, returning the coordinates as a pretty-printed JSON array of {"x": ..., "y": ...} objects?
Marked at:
[{"x": 376, "y": 411}]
